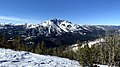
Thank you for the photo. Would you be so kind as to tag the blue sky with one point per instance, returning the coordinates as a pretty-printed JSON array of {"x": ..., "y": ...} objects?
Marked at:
[{"x": 77, "y": 11}]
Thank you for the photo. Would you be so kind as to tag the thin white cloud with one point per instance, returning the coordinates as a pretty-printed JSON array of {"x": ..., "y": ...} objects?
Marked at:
[{"x": 14, "y": 20}]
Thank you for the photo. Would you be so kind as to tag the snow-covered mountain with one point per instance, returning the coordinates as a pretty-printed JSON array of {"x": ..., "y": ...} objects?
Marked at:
[
  {"x": 55, "y": 26},
  {"x": 58, "y": 26},
  {"x": 61, "y": 25},
  {"x": 10, "y": 58},
  {"x": 53, "y": 32}
]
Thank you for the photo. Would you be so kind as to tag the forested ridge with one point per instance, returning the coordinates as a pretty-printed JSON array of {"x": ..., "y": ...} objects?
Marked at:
[{"x": 107, "y": 52}]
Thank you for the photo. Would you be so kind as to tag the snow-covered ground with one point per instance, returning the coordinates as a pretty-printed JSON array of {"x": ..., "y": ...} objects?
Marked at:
[
  {"x": 102, "y": 65},
  {"x": 90, "y": 43},
  {"x": 10, "y": 58}
]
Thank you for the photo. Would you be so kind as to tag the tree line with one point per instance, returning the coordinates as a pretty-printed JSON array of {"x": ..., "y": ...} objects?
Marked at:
[{"x": 107, "y": 52}]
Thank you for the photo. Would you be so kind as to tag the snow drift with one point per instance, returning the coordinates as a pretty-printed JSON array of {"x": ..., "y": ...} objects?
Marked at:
[{"x": 10, "y": 58}]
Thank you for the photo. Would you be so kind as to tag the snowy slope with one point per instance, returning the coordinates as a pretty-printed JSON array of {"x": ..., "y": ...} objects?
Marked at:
[
  {"x": 90, "y": 43},
  {"x": 97, "y": 41},
  {"x": 103, "y": 65},
  {"x": 10, "y": 58}
]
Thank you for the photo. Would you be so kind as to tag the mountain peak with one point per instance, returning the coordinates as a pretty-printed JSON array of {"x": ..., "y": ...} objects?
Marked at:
[{"x": 54, "y": 19}]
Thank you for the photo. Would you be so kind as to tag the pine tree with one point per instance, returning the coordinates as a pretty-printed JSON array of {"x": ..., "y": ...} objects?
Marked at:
[
  {"x": 85, "y": 56},
  {"x": 38, "y": 49},
  {"x": 42, "y": 47},
  {"x": 102, "y": 53},
  {"x": 79, "y": 43},
  {"x": 17, "y": 43},
  {"x": 1, "y": 40},
  {"x": 81, "y": 56},
  {"x": 23, "y": 47},
  {"x": 111, "y": 42}
]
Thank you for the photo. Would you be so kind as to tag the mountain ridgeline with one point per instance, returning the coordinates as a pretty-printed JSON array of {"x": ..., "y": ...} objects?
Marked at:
[{"x": 56, "y": 32}]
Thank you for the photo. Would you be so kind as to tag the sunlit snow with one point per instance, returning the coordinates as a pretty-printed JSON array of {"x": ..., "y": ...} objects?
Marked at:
[{"x": 10, "y": 58}]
